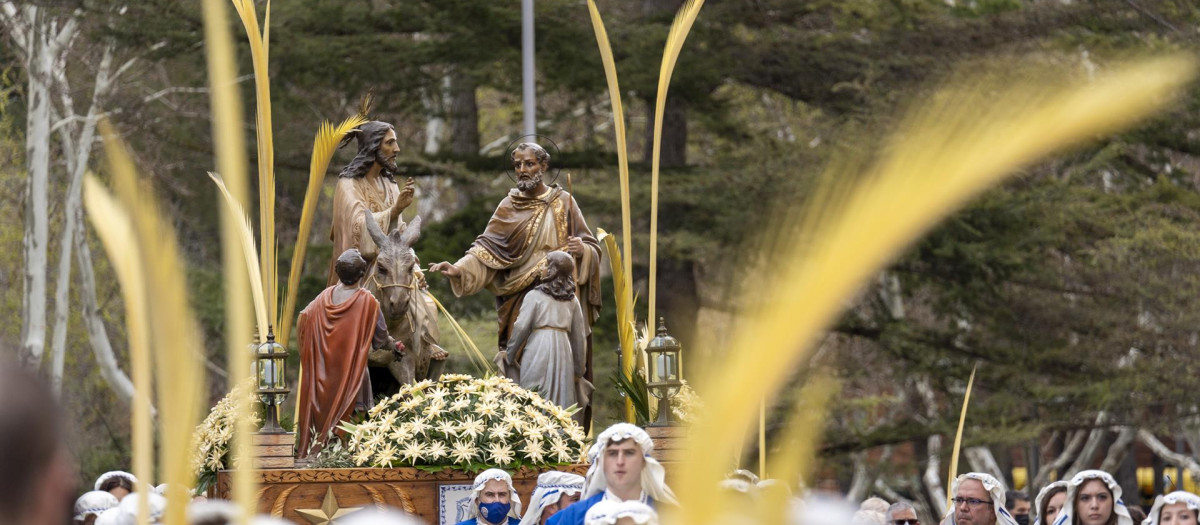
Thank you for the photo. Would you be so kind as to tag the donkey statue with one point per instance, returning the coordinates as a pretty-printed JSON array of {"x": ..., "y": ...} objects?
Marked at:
[{"x": 410, "y": 314}]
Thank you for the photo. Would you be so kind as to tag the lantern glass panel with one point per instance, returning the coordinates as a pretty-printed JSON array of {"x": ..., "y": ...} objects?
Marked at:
[
  {"x": 279, "y": 364},
  {"x": 264, "y": 375}
]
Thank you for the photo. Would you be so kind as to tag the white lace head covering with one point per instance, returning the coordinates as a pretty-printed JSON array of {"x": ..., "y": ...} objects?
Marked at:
[
  {"x": 654, "y": 482},
  {"x": 1041, "y": 498},
  {"x": 994, "y": 488},
  {"x": 115, "y": 474},
  {"x": 477, "y": 489},
  {"x": 94, "y": 502},
  {"x": 1192, "y": 501},
  {"x": 128, "y": 509},
  {"x": 1068, "y": 511},
  {"x": 608, "y": 512},
  {"x": 550, "y": 488},
  {"x": 109, "y": 517}
]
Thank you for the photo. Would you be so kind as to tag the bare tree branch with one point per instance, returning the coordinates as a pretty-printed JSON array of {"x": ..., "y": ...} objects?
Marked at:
[
  {"x": 1062, "y": 460},
  {"x": 77, "y": 162},
  {"x": 1119, "y": 448},
  {"x": 1175, "y": 459},
  {"x": 1095, "y": 438}
]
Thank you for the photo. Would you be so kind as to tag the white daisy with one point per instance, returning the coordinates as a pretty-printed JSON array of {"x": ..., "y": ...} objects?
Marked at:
[{"x": 464, "y": 451}]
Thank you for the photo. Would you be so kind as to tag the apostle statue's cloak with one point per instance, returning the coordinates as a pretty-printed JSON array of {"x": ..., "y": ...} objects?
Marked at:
[
  {"x": 352, "y": 195},
  {"x": 508, "y": 258},
  {"x": 334, "y": 342}
]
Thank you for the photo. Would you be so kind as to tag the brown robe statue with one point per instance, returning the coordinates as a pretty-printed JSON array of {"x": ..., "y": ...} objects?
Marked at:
[
  {"x": 510, "y": 255},
  {"x": 334, "y": 342}
]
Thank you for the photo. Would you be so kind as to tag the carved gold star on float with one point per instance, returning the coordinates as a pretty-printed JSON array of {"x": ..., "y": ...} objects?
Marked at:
[{"x": 328, "y": 512}]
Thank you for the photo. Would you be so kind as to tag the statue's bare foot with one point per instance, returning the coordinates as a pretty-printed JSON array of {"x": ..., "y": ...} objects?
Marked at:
[{"x": 439, "y": 355}]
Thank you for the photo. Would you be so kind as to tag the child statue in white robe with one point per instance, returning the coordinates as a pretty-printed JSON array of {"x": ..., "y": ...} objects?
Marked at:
[{"x": 548, "y": 343}]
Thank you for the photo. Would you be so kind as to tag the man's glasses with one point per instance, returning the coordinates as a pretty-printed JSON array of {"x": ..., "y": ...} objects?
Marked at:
[
  {"x": 913, "y": 521},
  {"x": 971, "y": 502}
]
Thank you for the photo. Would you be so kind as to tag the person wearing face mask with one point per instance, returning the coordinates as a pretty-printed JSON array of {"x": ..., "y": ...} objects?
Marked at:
[
  {"x": 1176, "y": 508},
  {"x": 494, "y": 501},
  {"x": 1049, "y": 502},
  {"x": 1093, "y": 498},
  {"x": 978, "y": 499},
  {"x": 1017, "y": 504}
]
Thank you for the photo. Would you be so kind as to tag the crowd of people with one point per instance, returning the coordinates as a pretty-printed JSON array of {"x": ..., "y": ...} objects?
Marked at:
[
  {"x": 623, "y": 486},
  {"x": 1090, "y": 497}
]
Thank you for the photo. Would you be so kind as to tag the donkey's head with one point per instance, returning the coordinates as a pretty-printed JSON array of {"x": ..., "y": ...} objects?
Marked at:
[{"x": 392, "y": 276}]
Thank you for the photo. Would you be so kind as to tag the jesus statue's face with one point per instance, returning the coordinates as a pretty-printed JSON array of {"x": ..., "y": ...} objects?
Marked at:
[
  {"x": 388, "y": 149},
  {"x": 529, "y": 169}
]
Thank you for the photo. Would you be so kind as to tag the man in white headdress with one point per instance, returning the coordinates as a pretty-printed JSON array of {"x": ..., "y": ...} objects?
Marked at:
[
  {"x": 621, "y": 470},
  {"x": 494, "y": 501},
  {"x": 554, "y": 491},
  {"x": 630, "y": 512},
  {"x": 977, "y": 499},
  {"x": 91, "y": 504}
]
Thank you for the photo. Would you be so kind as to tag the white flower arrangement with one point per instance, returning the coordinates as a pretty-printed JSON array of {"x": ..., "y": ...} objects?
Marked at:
[
  {"x": 212, "y": 436},
  {"x": 465, "y": 423}
]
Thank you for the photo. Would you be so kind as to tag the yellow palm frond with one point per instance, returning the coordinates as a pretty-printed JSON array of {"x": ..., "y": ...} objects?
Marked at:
[
  {"x": 266, "y": 149},
  {"x": 962, "y": 421},
  {"x": 245, "y": 238},
  {"x": 948, "y": 151},
  {"x": 680, "y": 28},
  {"x": 116, "y": 233},
  {"x": 614, "y": 97},
  {"x": 174, "y": 336},
  {"x": 623, "y": 296},
  {"x": 324, "y": 144},
  {"x": 229, "y": 142}
]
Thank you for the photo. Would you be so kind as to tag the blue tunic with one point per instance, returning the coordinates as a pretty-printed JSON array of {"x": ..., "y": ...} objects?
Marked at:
[
  {"x": 472, "y": 521},
  {"x": 574, "y": 514}
]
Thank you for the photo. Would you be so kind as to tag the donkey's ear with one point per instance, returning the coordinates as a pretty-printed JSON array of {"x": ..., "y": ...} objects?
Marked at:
[
  {"x": 377, "y": 235},
  {"x": 408, "y": 236}
]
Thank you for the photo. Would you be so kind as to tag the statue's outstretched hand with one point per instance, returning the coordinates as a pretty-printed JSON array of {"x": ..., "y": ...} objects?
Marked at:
[
  {"x": 446, "y": 268},
  {"x": 406, "y": 197}
]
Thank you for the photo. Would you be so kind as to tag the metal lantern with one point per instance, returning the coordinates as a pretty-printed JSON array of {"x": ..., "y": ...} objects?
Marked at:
[
  {"x": 663, "y": 378},
  {"x": 270, "y": 367}
]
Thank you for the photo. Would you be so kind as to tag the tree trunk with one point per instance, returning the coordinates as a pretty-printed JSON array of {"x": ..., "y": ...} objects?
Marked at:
[
  {"x": 1119, "y": 449},
  {"x": 464, "y": 115},
  {"x": 1087, "y": 455},
  {"x": 1069, "y": 450},
  {"x": 77, "y": 155},
  {"x": 982, "y": 460},
  {"x": 40, "y": 41},
  {"x": 861, "y": 483},
  {"x": 40, "y": 61},
  {"x": 433, "y": 100},
  {"x": 674, "y": 133}
]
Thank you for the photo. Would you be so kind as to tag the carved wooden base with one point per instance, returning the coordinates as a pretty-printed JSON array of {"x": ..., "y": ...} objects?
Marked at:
[{"x": 324, "y": 495}]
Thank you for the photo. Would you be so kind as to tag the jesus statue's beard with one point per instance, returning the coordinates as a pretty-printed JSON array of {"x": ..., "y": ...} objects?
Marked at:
[
  {"x": 389, "y": 165},
  {"x": 528, "y": 183}
]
